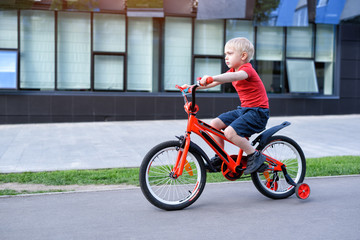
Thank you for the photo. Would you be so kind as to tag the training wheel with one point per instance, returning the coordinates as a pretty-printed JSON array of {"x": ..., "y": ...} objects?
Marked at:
[{"x": 302, "y": 191}]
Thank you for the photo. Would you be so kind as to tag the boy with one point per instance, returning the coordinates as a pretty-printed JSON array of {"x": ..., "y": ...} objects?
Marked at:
[{"x": 253, "y": 114}]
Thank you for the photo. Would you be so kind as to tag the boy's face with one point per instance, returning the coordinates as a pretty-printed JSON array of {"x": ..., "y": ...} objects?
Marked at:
[{"x": 234, "y": 59}]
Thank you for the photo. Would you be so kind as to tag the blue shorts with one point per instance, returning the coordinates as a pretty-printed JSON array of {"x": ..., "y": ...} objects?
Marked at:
[{"x": 246, "y": 121}]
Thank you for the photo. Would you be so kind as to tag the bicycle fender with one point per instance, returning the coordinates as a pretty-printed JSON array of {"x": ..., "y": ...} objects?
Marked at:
[{"x": 263, "y": 137}]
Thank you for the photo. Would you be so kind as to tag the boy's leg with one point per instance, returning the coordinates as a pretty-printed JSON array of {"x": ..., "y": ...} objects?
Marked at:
[
  {"x": 218, "y": 124},
  {"x": 255, "y": 159},
  {"x": 239, "y": 141}
]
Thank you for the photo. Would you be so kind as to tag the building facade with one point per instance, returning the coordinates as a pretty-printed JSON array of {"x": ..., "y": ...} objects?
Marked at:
[{"x": 70, "y": 66}]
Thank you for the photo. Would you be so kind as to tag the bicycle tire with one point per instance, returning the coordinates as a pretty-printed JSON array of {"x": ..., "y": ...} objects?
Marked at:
[
  {"x": 164, "y": 191},
  {"x": 287, "y": 151}
]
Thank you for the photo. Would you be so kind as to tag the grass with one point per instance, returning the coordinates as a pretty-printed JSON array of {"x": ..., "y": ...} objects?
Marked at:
[
  {"x": 333, "y": 166},
  {"x": 8, "y": 192},
  {"x": 326, "y": 166},
  {"x": 128, "y": 176}
]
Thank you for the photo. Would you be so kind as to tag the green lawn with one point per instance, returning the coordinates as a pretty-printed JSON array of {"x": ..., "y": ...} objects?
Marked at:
[{"x": 326, "y": 166}]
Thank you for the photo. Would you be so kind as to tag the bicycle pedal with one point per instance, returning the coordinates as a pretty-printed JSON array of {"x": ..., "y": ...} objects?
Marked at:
[{"x": 262, "y": 168}]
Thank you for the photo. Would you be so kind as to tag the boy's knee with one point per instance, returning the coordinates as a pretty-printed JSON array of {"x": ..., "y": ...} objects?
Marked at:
[{"x": 230, "y": 133}]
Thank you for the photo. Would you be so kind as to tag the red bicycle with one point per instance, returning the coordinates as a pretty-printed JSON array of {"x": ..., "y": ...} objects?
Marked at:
[{"x": 173, "y": 173}]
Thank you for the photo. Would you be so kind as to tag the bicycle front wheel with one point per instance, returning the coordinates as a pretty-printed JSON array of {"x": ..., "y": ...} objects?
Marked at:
[
  {"x": 273, "y": 184},
  {"x": 158, "y": 184}
]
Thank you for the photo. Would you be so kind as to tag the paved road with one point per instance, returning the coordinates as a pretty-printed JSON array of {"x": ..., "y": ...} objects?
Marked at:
[
  {"x": 46, "y": 147},
  {"x": 224, "y": 211}
]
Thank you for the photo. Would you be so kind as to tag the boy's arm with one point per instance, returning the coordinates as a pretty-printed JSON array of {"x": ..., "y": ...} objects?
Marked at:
[
  {"x": 224, "y": 78},
  {"x": 231, "y": 77}
]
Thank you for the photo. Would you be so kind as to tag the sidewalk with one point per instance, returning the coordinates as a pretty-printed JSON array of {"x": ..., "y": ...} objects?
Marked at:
[{"x": 62, "y": 146}]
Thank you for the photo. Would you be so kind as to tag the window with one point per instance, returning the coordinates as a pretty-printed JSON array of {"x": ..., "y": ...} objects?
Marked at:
[
  {"x": 270, "y": 43},
  {"x": 208, "y": 66},
  {"x": 109, "y": 39},
  {"x": 324, "y": 57},
  {"x": 140, "y": 54},
  {"x": 270, "y": 73},
  {"x": 209, "y": 37},
  {"x": 239, "y": 28},
  {"x": 177, "y": 52},
  {"x": 300, "y": 42},
  {"x": 300, "y": 64},
  {"x": 73, "y": 51},
  {"x": 109, "y": 72},
  {"x": 8, "y": 29},
  {"x": 8, "y": 49},
  {"x": 301, "y": 76},
  {"x": 37, "y": 50},
  {"x": 208, "y": 48},
  {"x": 8, "y": 69},
  {"x": 109, "y": 32},
  {"x": 269, "y": 57}
]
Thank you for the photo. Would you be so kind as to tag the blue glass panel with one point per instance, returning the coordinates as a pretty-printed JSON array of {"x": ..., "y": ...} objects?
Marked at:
[{"x": 8, "y": 69}]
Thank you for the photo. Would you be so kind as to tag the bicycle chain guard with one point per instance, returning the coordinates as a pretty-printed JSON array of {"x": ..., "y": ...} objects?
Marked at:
[{"x": 231, "y": 176}]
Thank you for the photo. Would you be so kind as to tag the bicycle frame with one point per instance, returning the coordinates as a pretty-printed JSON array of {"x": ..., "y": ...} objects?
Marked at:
[{"x": 194, "y": 125}]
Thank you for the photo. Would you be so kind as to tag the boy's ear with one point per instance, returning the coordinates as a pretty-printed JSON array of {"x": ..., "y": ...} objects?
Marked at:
[{"x": 244, "y": 56}]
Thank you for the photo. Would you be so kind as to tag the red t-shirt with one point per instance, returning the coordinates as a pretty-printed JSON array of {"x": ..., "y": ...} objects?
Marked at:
[{"x": 251, "y": 91}]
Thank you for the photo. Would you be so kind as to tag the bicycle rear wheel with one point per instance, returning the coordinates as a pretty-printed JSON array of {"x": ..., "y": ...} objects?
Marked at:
[
  {"x": 158, "y": 184},
  {"x": 273, "y": 184}
]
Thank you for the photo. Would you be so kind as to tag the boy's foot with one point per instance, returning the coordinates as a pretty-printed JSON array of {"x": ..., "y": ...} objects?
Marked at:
[
  {"x": 262, "y": 168},
  {"x": 216, "y": 162},
  {"x": 254, "y": 162}
]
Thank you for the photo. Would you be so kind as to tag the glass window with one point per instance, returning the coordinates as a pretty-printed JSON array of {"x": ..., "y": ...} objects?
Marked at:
[
  {"x": 140, "y": 54},
  {"x": 37, "y": 50},
  {"x": 270, "y": 74},
  {"x": 299, "y": 42},
  {"x": 209, "y": 37},
  {"x": 269, "y": 56},
  {"x": 324, "y": 56},
  {"x": 270, "y": 43},
  {"x": 8, "y": 29},
  {"x": 8, "y": 69},
  {"x": 208, "y": 66},
  {"x": 324, "y": 43},
  {"x": 239, "y": 28},
  {"x": 301, "y": 76},
  {"x": 109, "y": 72},
  {"x": 177, "y": 62},
  {"x": 109, "y": 32},
  {"x": 73, "y": 50}
]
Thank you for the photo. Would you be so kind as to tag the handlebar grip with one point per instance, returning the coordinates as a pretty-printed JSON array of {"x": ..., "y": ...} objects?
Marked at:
[{"x": 209, "y": 80}]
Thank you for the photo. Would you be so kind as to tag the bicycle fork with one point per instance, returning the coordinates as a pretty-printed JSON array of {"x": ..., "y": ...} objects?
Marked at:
[{"x": 181, "y": 161}]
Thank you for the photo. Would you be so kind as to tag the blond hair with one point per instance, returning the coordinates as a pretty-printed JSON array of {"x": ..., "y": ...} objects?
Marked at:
[{"x": 241, "y": 44}]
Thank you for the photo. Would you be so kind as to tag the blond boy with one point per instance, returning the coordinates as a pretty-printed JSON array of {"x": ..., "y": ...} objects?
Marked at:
[{"x": 253, "y": 114}]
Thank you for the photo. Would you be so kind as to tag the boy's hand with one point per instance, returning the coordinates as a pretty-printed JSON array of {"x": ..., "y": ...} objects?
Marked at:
[
  {"x": 205, "y": 80},
  {"x": 185, "y": 86}
]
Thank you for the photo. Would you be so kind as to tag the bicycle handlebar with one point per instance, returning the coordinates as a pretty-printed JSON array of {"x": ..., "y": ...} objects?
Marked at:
[
  {"x": 192, "y": 90},
  {"x": 188, "y": 90}
]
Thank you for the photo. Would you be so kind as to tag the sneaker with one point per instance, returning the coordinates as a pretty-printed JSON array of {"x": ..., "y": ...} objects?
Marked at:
[
  {"x": 216, "y": 162},
  {"x": 262, "y": 168},
  {"x": 254, "y": 162}
]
